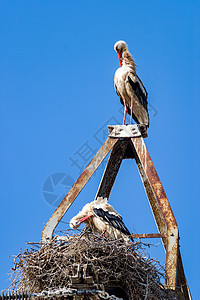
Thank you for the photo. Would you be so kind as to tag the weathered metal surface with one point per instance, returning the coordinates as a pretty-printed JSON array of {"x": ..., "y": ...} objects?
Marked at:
[
  {"x": 165, "y": 220},
  {"x": 82, "y": 274},
  {"x": 171, "y": 263},
  {"x": 76, "y": 189},
  {"x": 82, "y": 291},
  {"x": 181, "y": 279},
  {"x": 112, "y": 168},
  {"x": 161, "y": 209},
  {"x": 8, "y": 295},
  {"x": 154, "y": 185},
  {"x": 148, "y": 235},
  {"x": 124, "y": 131},
  {"x": 160, "y": 220}
]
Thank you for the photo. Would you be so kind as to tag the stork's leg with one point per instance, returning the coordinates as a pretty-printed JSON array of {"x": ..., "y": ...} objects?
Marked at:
[
  {"x": 131, "y": 110},
  {"x": 125, "y": 112}
]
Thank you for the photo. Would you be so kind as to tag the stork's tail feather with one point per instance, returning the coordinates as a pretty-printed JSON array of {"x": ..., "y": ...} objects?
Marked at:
[{"x": 101, "y": 200}]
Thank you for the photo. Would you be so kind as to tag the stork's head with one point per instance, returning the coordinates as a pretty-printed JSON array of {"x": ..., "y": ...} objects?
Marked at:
[
  {"x": 82, "y": 216},
  {"x": 119, "y": 47}
]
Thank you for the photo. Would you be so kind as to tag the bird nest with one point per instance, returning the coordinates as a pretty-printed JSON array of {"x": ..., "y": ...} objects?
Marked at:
[{"x": 112, "y": 264}]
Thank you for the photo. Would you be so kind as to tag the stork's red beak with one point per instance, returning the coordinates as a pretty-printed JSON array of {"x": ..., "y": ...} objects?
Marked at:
[
  {"x": 85, "y": 218},
  {"x": 120, "y": 58}
]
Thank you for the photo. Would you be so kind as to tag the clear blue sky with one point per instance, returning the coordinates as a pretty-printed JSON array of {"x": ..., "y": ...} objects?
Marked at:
[{"x": 57, "y": 95}]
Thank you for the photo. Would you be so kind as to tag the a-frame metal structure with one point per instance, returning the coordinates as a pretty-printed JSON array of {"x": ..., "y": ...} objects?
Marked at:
[{"x": 126, "y": 142}]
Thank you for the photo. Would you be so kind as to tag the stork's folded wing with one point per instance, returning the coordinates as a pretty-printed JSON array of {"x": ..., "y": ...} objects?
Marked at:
[{"x": 112, "y": 219}]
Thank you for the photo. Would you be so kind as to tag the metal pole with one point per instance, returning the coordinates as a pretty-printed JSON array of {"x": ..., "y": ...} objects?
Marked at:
[
  {"x": 112, "y": 168},
  {"x": 161, "y": 209}
]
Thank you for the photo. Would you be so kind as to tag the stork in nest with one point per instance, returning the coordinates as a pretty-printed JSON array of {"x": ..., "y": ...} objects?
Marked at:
[{"x": 102, "y": 219}]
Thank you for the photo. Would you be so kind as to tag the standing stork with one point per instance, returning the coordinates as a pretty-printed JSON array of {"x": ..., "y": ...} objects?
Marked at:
[
  {"x": 129, "y": 87},
  {"x": 102, "y": 218}
]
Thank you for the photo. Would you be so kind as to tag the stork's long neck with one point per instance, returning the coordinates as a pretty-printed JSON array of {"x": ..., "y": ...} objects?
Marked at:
[{"x": 128, "y": 60}]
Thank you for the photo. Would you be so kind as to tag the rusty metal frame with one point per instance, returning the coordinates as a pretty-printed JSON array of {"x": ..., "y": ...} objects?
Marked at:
[
  {"x": 76, "y": 189},
  {"x": 111, "y": 169},
  {"x": 161, "y": 209},
  {"x": 127, "y": 142},
  {"x": 148, "y": 236}
]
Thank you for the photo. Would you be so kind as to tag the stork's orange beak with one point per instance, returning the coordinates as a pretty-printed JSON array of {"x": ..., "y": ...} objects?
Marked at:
[
  {"x": 85, "y": 218},
  {"x": 120, "y": 58}
]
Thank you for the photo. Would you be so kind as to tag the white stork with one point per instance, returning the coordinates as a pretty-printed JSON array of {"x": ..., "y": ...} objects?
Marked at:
[
  {"x": 129, "y": 87},
  {"x": 102, "y": 218}
]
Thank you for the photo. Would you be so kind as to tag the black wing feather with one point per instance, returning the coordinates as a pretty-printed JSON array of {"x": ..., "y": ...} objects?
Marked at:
[
  {"x": 139, "y": 93},
  {"x": 113, "y": 220}
]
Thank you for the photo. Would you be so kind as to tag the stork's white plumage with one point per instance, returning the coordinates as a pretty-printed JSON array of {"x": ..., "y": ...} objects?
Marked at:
[
  {"x": 102, "y": 218},
  {"x": 129, "y": 87}
]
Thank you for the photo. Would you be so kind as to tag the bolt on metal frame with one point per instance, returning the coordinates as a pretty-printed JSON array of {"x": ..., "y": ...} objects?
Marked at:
[{"x": 126, "y": 142}]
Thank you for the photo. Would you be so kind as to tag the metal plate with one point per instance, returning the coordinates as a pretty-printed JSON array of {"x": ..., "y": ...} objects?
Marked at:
[{"x": 124, "y": 131}]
